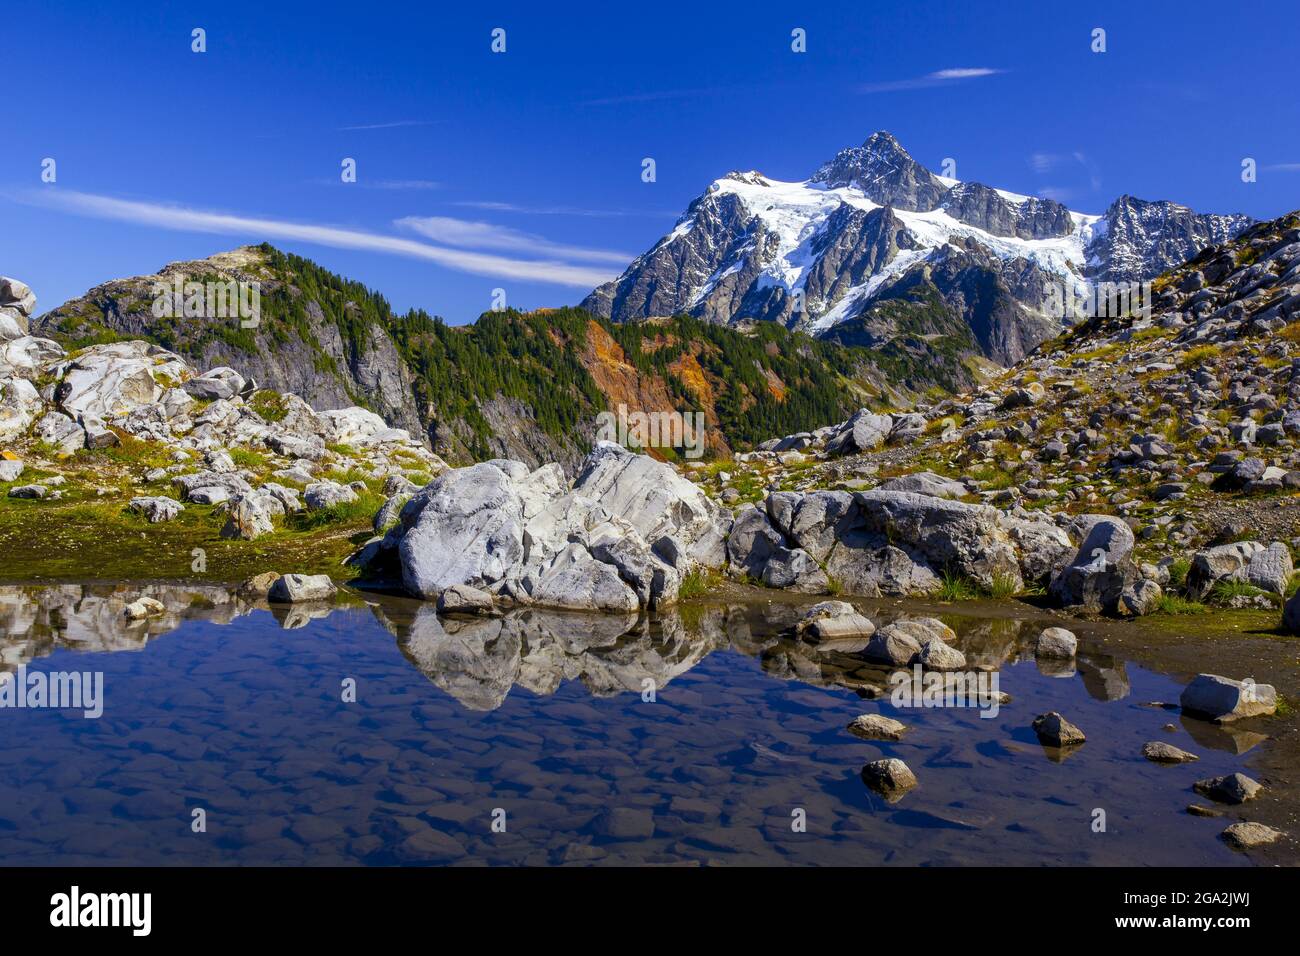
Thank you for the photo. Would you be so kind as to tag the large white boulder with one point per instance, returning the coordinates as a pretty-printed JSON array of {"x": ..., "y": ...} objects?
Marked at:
[{"x": 657, "y": 501}]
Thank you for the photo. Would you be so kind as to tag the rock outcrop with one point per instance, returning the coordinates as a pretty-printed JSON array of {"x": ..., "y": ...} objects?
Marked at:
[{"x": 621, "y": 537}]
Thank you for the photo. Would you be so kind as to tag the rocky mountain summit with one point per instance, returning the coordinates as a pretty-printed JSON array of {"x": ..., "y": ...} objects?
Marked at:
[
  {"x": 132, "y": 419},
  {"x": 875, "y": 241}
]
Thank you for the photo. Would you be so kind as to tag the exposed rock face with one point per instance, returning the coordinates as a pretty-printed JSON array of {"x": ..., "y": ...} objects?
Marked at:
[
  {"x": 885, "y": 173},
  {"x": 620, "y": 538},
  {"x": 1143, "y": 239},
  {"x": 17, "y": 303}
]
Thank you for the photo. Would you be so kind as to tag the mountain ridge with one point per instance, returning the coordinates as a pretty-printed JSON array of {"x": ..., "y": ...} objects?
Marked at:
[{"x": 819, "y": 252}]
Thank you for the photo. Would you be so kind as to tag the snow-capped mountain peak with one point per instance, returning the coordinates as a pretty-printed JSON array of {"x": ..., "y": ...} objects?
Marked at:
[{"x": 873, "y": 222}]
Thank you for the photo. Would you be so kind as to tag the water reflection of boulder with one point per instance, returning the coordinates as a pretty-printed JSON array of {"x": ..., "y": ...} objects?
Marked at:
[
  {"x": 1104, "y": 677},
  {"x": 36, "y": 621},
  {"x": 479, "y": 660},
  {"x": 1227, "y": 737}
]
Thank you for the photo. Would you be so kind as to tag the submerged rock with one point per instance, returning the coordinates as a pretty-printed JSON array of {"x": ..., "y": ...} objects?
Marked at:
[
  {"x": 890, "y": 777},
  {"x": 1157, "y": 751},
  {"x": 877, "y": 727}
]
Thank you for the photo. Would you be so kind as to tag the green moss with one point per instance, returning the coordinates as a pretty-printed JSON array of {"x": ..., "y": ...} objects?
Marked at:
[{"x": 100, "y": 540}]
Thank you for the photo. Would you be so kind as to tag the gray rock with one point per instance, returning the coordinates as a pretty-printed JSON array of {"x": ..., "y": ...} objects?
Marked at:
[
  {"x": 1101, "y": 569},
  {"x": 156, "y": 508},
  {"x": 890, "y": 777},
  {"x": 249, "y": 516},
  {"x": 936, "y": 655},
  {"x": 752, "y": 541},
  {"x": 835, "y": 621},
  {"x": 1224, "y": 700},
  {"x": 656, "y": 501},
  {"x": 1231, "y": 788},
  {"x": 1056, "y": 643},
  {"x": 1225, "y": 562},
  {"x": 466, "y": 527},
  {"x": 877, "y": 727},
  {"x": 463, "y": 599},
  {"x": 1139, "y": 599},
  {"x": 28, "y": 491},
  {"x": 327, "y": 494},
  {"x": 219, "y": 383},
  {"x": 10, "y": 469},
  {"x": 1157, "y": 751},
  {"x": 60, "y": 432},
  {"x": 795, "y": 570},
  {"x": 925, "y": 483},
  {"x": 1271, "y": 569},
  {"x": 892, "y": 645},
  {"x": 296, "y": 588},
  {"x": 1247, "y": 835},
  {"x": 1055, "y": 731}
]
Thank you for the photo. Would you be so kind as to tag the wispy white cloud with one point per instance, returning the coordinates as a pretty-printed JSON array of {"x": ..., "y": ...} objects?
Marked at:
[
  {"x": 484, "y": 235},
  {"x": 1043, "y": 163},
  {"x": 403, "y": 184},
  {"x": 651, "y": 96},
  {"x": 937, "y": 78},
  {"x": 1283, "y": 168},
  {"x": 186, "y": 219},
  {"x": 1059, "y": 193},
  {"x": 494, "y": 206},
  {"x": 393, "y": 125}
]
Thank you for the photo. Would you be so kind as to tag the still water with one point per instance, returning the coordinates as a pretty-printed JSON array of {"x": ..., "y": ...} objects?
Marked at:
[{"x": 706, "y": 736}]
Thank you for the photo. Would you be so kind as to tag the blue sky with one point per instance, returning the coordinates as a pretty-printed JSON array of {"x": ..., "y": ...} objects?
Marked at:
[{"x": 522, "y": 170}]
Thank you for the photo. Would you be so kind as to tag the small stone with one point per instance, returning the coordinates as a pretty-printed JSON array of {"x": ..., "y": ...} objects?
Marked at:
[
  {"x": 1159, "y": 752},
  {"x": 463, "y": 599},
  {"x": 259, "y": 585},
  {"x": 877, "y": 727},
  {"x": 1196, "y": 810},
  {"x": 1245, "y": 835},
  {"x": 293, "y": 588},
  {"x": 1056, "y": 643},
  {"x": 1230, "y": 788},
  {"x": 627, "y": 823},
  {"x": 1055, "y": 731},
  {"x": 890, "y": 777}
]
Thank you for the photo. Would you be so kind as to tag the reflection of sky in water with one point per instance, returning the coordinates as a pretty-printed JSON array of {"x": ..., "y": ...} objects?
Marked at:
[{"x": 541, "y": 715}]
